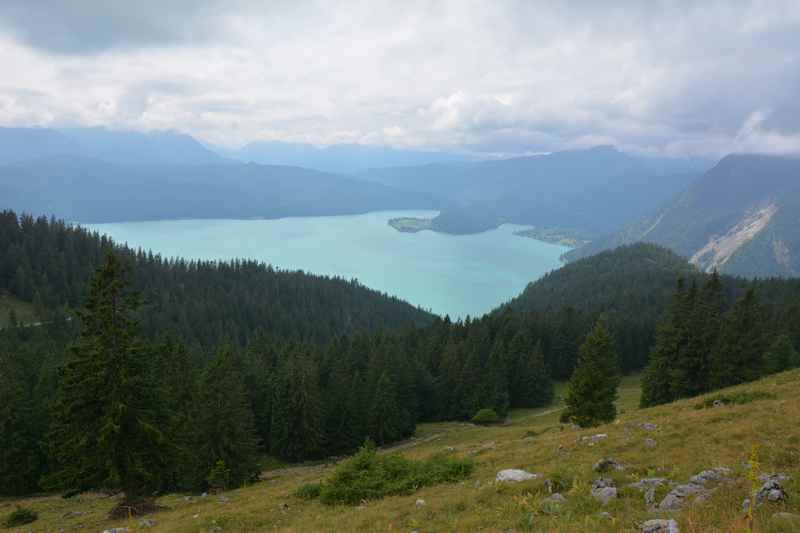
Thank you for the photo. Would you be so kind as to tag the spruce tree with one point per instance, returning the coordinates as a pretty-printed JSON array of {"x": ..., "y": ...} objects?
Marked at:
[
  {"x": 593, "y": 385},
  {"x": 738, "y": 356},
  {"x": 780, "y": 356},
  {"x": 21, "y": 456},
  {"x": 225, "y": 430},
  {"x": 384, "y": 412},
  {"x": 297, "y": 430},
  {"x": 108, "y": 416}
]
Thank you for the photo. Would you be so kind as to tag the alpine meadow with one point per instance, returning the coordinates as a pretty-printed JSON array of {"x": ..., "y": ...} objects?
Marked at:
[{"x": 419, "y": 267}]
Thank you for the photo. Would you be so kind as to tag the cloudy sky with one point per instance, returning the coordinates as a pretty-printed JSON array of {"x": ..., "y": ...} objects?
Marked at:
[{"x": 668, "y": 77}]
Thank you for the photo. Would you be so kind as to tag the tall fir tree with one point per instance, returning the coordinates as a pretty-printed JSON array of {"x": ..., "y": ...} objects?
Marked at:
[
  {"x": 226, "y": 438},
  {"x": 781, "y": 355},
  {"x": 739, "y": 353},
  {"x": 297, "y": 430},
  {"x": 108, "y": 415},
  {"x": 593, "y": 385}
]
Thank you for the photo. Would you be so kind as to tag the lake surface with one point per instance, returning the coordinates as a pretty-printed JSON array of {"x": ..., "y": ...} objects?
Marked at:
[{"x": 457, "y": 275}]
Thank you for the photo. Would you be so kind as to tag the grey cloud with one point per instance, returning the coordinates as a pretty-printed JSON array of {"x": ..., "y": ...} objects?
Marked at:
[{"x": 514, "y": 76}]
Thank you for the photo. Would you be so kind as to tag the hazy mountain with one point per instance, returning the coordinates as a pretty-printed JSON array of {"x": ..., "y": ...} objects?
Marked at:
[
  {"x": 89, "y": 190},
  {"x": 742, "y": 217},
  {"x": 124, "y": 147},
  {"x": 340, "y": 158},
  {"x": 594, "y": 190},
  {"x": 21, "y": 144}
]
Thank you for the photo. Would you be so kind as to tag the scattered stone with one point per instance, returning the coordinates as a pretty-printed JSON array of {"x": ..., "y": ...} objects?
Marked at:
[
  {"x": 715, "y": 474},
  {"x": 605, "y": 515},
  {"x": 117, "y": 530},
  {"x": 515, "y": 475},
  {"x": 603, "y": 490},
  {"x": 147, "y": 523},
  {"x": 284, "y": 506},
  {"x": 677, "y": 496},
  {"x": 204, "y": 495},
  {"x": 771, "y": 491},
  {"x": 420, "y": 503},
  {"x": 718, "y": 403},
  {"x": 73, "y": 514},
  {"x": 650, "y": 443},
  {"x": 196, "y": 516},
  {"x": 215, "y": 529},
  {"x": 224, "y": 499},
  {"x": 649, "y": 486},
  {"x": 187, "y": 498},
  {"x": 660, "y": 525},
  {"x": 449, "y": 449},
  {"x": 746, "y": 506},
  {"x": 648, "y": 426},
  {"x": 477, "y": 483},
  {"x": 606, "y": 465},
  {"x": 555, "y": 498},
  {"x": 550, "y": 486},
  {"x": 774, "y": 477},
  {"x": 591, "y": 439}
]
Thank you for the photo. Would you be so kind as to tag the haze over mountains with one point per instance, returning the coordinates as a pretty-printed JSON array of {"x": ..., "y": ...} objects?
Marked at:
[{"x": 741, "y": 216}]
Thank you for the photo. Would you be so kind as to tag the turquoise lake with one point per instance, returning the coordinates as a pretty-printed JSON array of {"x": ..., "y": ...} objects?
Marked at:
[{"x": 458, "y": 275}]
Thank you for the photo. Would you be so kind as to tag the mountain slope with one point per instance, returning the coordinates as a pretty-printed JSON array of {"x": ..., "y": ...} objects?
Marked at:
[
  {"x": 121, "y": 147},
  {"x": 88, "y": 190},
  {"x": 594, "y": 190},
  {"x": 742, "y": 217},
  {"x": 686, "y": 441},
  {"x": 204, "y": 302}
]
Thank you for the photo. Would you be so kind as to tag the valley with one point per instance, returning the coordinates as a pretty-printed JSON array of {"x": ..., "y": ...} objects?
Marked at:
[{"x": 446, "y": 274}]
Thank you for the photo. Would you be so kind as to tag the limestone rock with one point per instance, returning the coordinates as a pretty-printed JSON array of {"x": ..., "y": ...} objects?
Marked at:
[
  {"x": 677, "y": 496},
  {"x": 607, "y": 465},
  {"x": 648, "y": 426},
  {"x": 117, "y": 530},
  {"x": 146, "y": 523},
  {"x": 715, "y": 474},
  {"x": 649, "y": 486},
  {"x": 650, "y": 443},
  {"x": 555, "y": 498},
  {"x": 420, "y": 503},
  {"x": 515, "y": 475},
  {"x": 603, "y": 490},
  {"x": 660, "y": 525},
  {"x": 771, "y": 491}
]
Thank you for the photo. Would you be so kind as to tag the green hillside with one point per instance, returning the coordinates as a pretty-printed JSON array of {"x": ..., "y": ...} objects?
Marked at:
[{"x": 673, "y": 442}]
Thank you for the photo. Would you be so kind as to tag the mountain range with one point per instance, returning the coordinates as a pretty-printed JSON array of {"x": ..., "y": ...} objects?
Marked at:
[
  {"x": 742, "y": 217},
  {"x": 89, "y": 190},
  {"x": 593, "y": 190}
]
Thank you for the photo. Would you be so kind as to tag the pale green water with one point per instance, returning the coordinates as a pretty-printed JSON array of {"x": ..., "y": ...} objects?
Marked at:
[{"x": 456, "y": 275}]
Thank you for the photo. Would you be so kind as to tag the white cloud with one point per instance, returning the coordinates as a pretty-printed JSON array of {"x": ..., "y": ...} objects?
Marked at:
[{"x": 500, "y": 77}]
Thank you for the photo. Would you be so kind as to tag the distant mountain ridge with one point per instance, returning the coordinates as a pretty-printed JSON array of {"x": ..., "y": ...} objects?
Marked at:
[
  {"x": 112, "y": 146},
  {"x": 88, "y": 190},
  {"x": 742, "y": 217},
  {"x": 595, "y": 190},
  {"x": 339, "y": 158}
]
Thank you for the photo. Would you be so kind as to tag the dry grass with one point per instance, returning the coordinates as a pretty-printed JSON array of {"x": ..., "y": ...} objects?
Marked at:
[{"x": 689, "y": 440}]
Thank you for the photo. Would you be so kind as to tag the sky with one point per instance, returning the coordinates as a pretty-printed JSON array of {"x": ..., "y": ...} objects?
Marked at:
[{"x": 501, "y": 77}]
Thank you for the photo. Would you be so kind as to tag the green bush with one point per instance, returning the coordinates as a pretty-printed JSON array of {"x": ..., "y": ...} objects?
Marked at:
[
  {"x": 486, "y": 416},
  {"x": 308, "y": 491},
  {"x": 738, "y": 398},
  {"x": 368, "y": 476},
  {"x": 20, "y": 517}
]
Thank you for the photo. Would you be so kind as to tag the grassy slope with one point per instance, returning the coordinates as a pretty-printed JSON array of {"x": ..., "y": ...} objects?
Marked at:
[
  {"x": 23, "y": 310},
  {"x": 689, "y": 440}
]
